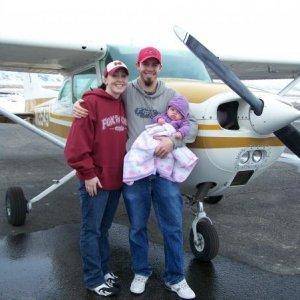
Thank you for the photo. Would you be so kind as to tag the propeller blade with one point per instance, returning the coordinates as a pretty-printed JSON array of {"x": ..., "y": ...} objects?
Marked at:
[
  {"x": 220, "y": 69},
  {"x": 290, "y": 136}
]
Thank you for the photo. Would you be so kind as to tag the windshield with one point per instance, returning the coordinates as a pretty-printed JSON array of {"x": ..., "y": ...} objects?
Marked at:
[{"x": 176, "y": 63}]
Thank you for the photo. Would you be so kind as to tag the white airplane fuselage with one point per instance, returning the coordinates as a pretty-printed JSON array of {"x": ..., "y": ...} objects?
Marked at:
[{"x": 230, "y": 152}]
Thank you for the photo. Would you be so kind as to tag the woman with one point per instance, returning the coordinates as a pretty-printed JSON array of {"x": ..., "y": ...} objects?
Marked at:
[{"x": 95, "y": 148}]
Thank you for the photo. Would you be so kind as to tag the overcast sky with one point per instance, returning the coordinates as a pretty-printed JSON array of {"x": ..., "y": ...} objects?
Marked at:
[{"x": 256, "y": 28}]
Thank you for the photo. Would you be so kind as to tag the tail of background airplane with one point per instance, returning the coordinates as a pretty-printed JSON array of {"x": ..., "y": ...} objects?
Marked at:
[{"x": 34, "y": 93}]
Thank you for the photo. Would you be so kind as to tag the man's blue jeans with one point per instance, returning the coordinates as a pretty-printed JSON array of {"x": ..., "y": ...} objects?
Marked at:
[
  {"x": 97, "y": 217},
  {"x": 168, "y": 207}
]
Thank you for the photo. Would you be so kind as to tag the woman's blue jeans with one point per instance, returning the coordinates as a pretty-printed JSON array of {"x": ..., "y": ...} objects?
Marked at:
[{"x": 97, "y": 216}]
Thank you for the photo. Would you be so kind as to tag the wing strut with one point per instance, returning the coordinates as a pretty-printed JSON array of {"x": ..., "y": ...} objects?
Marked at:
[
  {"x": 287, "y": 88},
  {"x": 32, "y": 128}
]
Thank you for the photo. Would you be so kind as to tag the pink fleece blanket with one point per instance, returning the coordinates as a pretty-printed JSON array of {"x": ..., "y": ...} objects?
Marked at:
[{"x": 141, "y": 162}]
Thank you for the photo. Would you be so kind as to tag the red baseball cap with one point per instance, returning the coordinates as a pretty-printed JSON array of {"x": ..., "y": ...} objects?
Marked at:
[
  {"x": 149, "y": 52},
  {"x": 113, "y": 67}
]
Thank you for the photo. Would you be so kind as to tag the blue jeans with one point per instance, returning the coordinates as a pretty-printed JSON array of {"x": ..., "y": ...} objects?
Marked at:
[
  {"x": 97, "y": 217},
  {"x": 168, "y": 207}
]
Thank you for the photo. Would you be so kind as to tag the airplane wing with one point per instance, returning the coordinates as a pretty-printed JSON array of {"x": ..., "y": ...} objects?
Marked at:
[
  {"x": 247, "y": 68},
  {"x": 52, "y": 58}
]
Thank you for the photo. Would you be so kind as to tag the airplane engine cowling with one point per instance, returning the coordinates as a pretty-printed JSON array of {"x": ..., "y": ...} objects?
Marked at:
[{"x": 275, "y": 115}]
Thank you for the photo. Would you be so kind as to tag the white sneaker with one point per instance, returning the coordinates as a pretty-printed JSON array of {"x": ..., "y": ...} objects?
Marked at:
[
  {"x": 105, "y": 290},
  {"x": 138, "y": 284},
  {"x": 182, "y": 289}
]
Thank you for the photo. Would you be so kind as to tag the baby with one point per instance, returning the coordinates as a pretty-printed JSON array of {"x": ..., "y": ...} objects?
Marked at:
[
  {"x": 140, "y": 161},
  {"x": 177, "y": 115}
]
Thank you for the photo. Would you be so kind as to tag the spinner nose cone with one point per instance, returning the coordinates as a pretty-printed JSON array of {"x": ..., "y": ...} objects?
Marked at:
[{"x": 276, "y": 114}]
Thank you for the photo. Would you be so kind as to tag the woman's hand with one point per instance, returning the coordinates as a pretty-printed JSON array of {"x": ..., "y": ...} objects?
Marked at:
[
  {"x": 78, "y": 110},
  {"x": 91, "y": 186}
]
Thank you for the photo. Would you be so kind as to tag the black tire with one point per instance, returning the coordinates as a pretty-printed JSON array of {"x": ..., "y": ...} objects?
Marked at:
[
  {"x": 15, "y": 206},
  {"x": 213, "y": 199},
  {"x": 209, "y": 247}
]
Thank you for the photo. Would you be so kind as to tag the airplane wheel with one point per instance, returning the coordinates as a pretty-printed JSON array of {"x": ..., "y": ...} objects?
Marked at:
[
  {"x": 207, "y": 246},
  {"x": 213, "y": 199},
  {"x": 16, "y": 206}
]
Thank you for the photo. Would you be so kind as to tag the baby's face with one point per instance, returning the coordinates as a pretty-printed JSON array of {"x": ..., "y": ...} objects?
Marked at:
[{"x": 174, "y": 114}]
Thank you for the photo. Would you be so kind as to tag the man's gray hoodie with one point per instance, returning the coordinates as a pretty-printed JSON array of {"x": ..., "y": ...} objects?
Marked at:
[{"x": 141, "y": 108}]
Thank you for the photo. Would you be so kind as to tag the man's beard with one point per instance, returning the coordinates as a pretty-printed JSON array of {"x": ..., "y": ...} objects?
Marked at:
[{"x": 147, "y": 81}]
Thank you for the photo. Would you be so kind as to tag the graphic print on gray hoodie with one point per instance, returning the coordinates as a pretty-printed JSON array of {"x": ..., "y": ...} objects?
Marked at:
[{"x": 141, "y": 108}]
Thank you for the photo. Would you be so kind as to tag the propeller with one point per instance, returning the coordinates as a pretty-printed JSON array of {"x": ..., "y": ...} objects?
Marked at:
[{"x": 284, "y": 131}]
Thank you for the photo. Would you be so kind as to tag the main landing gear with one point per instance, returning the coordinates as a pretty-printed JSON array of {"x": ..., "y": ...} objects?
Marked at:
[
  {"x": 204, "y": 240},
  {"x": 16, "y": 205}
]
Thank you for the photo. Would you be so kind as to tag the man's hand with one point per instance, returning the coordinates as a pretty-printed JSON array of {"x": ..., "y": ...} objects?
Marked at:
[
  {"x": 165, "y": 146},
  {"x": 78, "y": 110},
  {"x": 91, "y": 186},
  {"x": 178, "y": 135}
]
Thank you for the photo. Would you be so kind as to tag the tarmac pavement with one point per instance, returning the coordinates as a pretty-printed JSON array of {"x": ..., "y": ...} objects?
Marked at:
[
  {"x": 46, "y": 265},
  {"x": 258, "y": 227}
]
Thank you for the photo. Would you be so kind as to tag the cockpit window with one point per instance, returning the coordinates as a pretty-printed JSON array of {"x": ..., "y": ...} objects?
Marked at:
[
  {"x": 66, "y": 94},
  {"x": 176, "y": 63},
  {"x": 83, "y": 82}
]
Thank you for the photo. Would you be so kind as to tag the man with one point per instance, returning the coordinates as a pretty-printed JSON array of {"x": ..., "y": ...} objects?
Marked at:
[{"x": 144, "y": 98}]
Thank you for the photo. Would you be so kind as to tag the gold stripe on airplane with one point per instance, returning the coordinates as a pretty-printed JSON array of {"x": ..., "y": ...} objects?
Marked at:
[
  {"x": 61, "y": 117},
  {"x": 57, "y": 129},
  {"x": 205, "y": 142},
  {"x": 209, "y": 127},
  {"x": 202, "y": 142},
  {"x": 30, "y": 104}
]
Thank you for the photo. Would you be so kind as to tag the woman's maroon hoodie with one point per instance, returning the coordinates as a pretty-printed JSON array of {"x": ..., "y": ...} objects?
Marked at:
[{"x": 96, "y": 144}]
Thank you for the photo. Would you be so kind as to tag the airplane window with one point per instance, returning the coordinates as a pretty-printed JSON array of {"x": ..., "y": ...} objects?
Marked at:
[
  {"x": 83, "y": 82},
  {"x": 176, "y": 63},
  {"x": 128, "y": 57},
  {"x": 184, "y": 65},
  {"x": 65, "y": 94}
]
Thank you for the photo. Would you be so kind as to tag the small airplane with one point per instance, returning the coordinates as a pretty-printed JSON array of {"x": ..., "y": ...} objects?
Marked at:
[{"x": 241, "y": 132}]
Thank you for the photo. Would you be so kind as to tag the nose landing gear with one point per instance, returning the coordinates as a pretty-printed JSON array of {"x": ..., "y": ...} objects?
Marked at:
[{"x": 204, "y": 240}]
